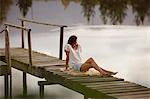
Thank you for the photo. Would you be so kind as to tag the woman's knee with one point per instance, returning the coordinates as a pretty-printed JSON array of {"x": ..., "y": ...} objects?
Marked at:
[{"x": 91, "y": 59}]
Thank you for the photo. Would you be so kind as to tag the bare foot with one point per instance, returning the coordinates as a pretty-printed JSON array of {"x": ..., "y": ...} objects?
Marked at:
[{"x": 113, "y": 73}]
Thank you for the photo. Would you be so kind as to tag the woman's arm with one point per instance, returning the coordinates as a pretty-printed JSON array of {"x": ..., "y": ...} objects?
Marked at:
[{"x": 67, "y": 59}]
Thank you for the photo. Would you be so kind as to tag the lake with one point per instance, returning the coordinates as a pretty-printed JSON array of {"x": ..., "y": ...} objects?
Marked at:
[{"x": 118, "y": 41}]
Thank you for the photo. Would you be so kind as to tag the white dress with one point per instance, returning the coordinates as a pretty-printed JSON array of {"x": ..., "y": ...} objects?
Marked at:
[{"x": 75, "y": 60}]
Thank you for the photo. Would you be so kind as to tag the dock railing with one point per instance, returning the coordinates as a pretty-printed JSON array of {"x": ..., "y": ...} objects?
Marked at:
[
  {"x": 8, "y": 76},
  {"x": 47, "y": 24},
  {"x": 7, "y": 53},
  {"x": 23, "y": 29},
  {"x": 29, "y": 38}
]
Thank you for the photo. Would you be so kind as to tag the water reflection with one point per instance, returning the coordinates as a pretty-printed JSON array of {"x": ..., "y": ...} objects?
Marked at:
[
  {"x": 141, "y": 8},
  {"x": 4, "y": 8},
  {"x": 24, "y": 6},
  {"x": 109, "y": 11},
  {"x": 115, "y": 10},
  {"x": 88, "y": 8}
]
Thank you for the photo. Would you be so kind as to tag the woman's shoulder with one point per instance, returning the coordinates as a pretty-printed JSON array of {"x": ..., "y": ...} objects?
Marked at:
[{"x": 67, "y": 47}]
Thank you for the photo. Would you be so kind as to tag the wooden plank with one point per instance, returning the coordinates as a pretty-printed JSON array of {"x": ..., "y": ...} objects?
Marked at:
[
  {"x": 118, "y": 88},
  {"x": 100, "y": 79},
  {"x": 54, "y": 67},
  {"x": 39, "y": 59},
  {"x": 18, "y": 51},
  {"x": 130, "y": 93},
  {"x": 113, "y": 86},
  {"x": 113, "y": 89},
  {"x": 56, "y": 71},
  {"x": 112, "y": 83},
  {"x": 123, "y": 90},
  {"x": 105, "y": 85},
  {"x": 38, "y": 56},
  {"x": 62, "y": 74},
  {"x": 92, "y": 77},
  {"x": 36, "y": 63},
  {"x": 76, "y": 86},
  {"x": 35, "y": 71},
  {"x": 66, "y": 75},
  {"x": 83, "y": 77},
  {"x": 47, "y": 64},
  {"x": 21, "y": 59}
]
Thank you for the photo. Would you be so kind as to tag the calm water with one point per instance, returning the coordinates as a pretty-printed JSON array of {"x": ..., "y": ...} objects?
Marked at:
[{"x": 123, "y": 47}]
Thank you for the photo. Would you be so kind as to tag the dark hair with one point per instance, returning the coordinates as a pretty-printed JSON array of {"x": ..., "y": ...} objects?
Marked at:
[{"x": 72, "y": 39}]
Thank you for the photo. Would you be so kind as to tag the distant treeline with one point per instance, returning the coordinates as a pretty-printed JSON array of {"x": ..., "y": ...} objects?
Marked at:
[{"x": 113, "y": 10}]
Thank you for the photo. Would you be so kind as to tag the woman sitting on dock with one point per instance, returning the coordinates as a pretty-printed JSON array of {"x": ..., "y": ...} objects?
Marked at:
[{"x": 73, "y": 59}]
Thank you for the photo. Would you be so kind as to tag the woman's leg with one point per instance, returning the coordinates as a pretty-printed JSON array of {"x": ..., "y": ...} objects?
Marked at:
[
  {"x": 90, "y": 63},
  {"x": 110, "y": 72}
]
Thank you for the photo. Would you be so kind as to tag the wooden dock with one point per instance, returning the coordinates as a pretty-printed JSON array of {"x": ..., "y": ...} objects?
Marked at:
[{"x": 48, "y": 67}]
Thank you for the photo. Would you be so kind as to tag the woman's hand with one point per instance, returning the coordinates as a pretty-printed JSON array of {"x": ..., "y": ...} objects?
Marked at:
[{"x": 75, "y": 46}]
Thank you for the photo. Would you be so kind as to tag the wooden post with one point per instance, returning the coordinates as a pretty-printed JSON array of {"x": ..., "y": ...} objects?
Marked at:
[
  {"x": 24, "y": 74},
  {"x": 42, "y": 84},
  {"x": 8, "y": 61},
  {"x": 22, "y": 34},
  {"x": 6, "y": 88},
  {"x": 24, "y": 84},
  {"x": 41, "y": 91},
  {"x": 61, "y": 42},
  {"x": 30, "y": 64},
  {"x": 29, "y": 47}
]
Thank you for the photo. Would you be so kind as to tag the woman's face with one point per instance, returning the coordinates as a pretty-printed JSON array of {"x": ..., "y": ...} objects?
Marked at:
[
  {"x": 75, "y": 42},
  {"x": 75, "y": 45}
]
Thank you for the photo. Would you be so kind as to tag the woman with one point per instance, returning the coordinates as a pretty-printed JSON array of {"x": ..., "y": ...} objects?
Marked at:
[{"x": 73, "y": 58}]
